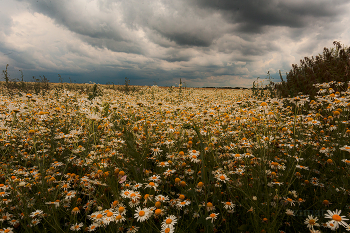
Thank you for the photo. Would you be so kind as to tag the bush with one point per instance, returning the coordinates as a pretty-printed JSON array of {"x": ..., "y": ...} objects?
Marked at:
[{"x": 333, "y": 65}]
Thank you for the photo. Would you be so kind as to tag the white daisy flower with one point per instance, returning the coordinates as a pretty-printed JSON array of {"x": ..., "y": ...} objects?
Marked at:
[
  {"x": 336, "y": 219},
  {"x": 142, "y": 214},
  {"x": 212, "y": 217},
  {"x": 170, "y": 221},
  {"x": 311, "y": 221}
]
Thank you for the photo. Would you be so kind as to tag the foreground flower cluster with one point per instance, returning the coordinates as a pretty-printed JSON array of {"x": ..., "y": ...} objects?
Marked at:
[{"x": 174, "y": 160}]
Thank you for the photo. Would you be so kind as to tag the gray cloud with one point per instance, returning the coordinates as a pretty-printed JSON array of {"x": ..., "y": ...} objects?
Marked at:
[
  {"x": 253, "y": 16},
  {"x": 226, "y": 42}
]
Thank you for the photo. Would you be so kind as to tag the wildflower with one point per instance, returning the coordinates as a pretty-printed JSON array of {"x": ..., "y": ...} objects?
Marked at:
[
  {"x": 212, "y": 217},
  {"x": 331, "y": 225},
  {"x": 326, "y": 202},
  {"x": 34, "y": 222},
  {"x": 3, "y": 194},
  {"x": 126, "y": 193},
  {"x": 210, "y": 206},
  {"x": 346, "y": 148},
  {"x": 194, "y": 159},
  {"x": 239, "y": 170},
  {"x": 163, "y": 164},
  {"x": 290, "y": 212},
  {"x": 336, "y": 218},
  {"x": 156, "y": 151},
  {"x": 311, "y": 221},
  {"x": 167, "y": 229},
  {"x": 14, "y": 222},
  {"x": 7, "y": 230},
  {"x": 37, "y": 213},
  {"x": 222, "y": 178},
  {"x": 228, "y": 205},
  {"x": 324, "y": 150},
  {"x": 122, "y": 179},
  {"x": 76, "y": 227},
  {"x": 135, "y": 196},
  {"x": 152, "y": 185},
  {"x": 275, "y": 183},
  {"x": 289, "y": 200},
  {"x": 169, "y": 172},
  {"x": 346, "y": 161},
  {"x": 183, "y": 203},
  {"x": 93, "y": 227},
  {"x": 162, "y": 198},
  {"x": 147, "y": 198},
  {"x": 70, "y": 194},
  {"x": 183, "y": 184},
  {"x": 136, "y": 186},
  {"x": 200, "y": 184},
  {"x": 170, "y": 221},
  {"x": 158, "y": 212},
  {"x": 155, "y": 178},
  {"x": 194, "y": 152},
  {"x": 119, "y": 218},
  {"x": 75, "y": 210},
  {"x": 142, "y": 214},
  {"x": 134, "y": 203},
  {"x": 133, "y": 229},
  {"x": 121, "y": 209},
  {"x": 302, "y": 167}
]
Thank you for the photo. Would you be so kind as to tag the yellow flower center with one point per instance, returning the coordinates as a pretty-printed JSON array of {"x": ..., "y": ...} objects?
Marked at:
[
  {"x": 212, "y": 215},
  {"x": 168, "y": 221},
  {"x": 336, "y": 217},
  {"x": 167, "y": 230},
  {"x": 109, "y": 214},
  {"x": 312, "y": 222},
  {"x": 222, "y": 177},
  {"x": 142, "y": 213},
  {"x": 158, "y": 211}
]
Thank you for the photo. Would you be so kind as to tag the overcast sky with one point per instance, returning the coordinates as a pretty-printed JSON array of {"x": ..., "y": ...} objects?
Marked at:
[{"x": 157, "y": 42}]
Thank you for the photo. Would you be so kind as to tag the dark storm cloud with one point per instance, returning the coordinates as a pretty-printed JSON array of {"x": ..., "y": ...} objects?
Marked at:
[
  {"x": 179, "y": 24},
  {"x": 176, "y": 55},
  {"x": 84, "y": 21},
  {"x": 202, "y": 41},
  {"x": 252, "y": 16}
]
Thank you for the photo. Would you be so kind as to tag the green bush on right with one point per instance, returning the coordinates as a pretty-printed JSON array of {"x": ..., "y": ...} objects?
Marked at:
[{"x": 333, "y": 65}]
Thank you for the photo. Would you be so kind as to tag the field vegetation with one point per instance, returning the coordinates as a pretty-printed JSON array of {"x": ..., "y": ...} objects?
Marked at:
[{"x": 108, "y": 158}]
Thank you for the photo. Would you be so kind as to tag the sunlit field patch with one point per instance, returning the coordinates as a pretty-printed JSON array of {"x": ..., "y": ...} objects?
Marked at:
[{"x": 174, "y": 160}]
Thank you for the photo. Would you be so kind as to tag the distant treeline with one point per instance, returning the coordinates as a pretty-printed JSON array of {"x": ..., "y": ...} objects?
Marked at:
[{"x": 228, "y": 87}]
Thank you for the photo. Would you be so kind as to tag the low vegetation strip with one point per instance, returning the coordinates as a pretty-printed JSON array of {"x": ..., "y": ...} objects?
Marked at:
[{"x": 156, "y": 159}]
